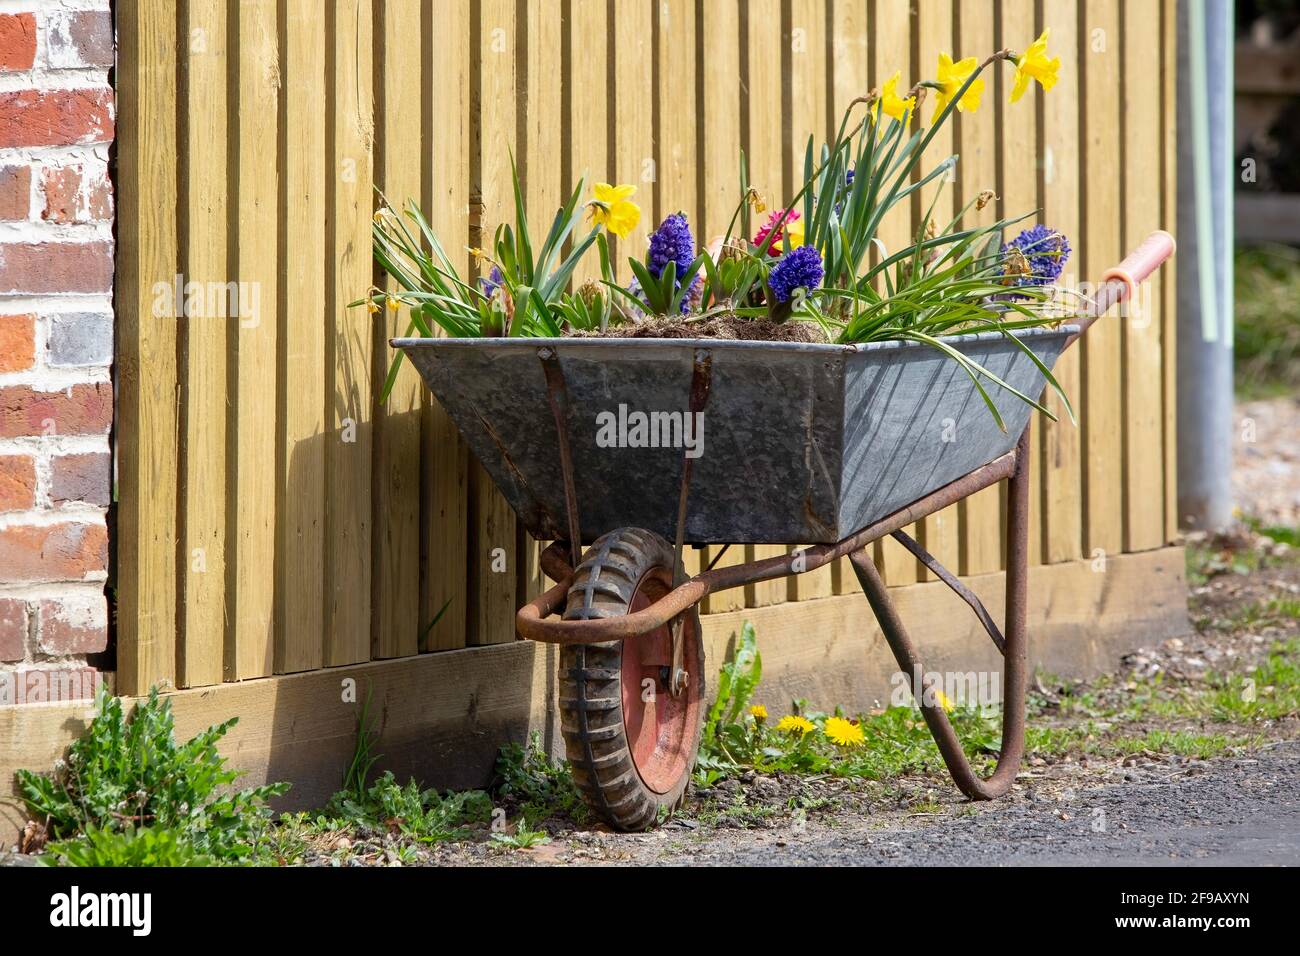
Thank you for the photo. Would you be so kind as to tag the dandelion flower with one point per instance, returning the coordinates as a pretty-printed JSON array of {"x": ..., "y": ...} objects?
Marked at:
[
  {"x": 843, "y": 732},
  {"x": 943, "y": 700},
  {"x": 613, "y": 208},
  {"x": 951, "y": 78},
  {"x": 758, "y": 712},
  {"x": 792, "y": 723},
  {"x": 1034, "y": 64}
]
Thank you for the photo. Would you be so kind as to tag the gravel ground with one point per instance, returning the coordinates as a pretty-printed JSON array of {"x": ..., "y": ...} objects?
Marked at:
[{"x": 1266, "y": 460}]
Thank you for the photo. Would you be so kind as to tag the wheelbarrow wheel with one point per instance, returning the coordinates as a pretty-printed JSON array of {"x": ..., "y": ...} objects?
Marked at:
[{"x": 631, "y": 743}]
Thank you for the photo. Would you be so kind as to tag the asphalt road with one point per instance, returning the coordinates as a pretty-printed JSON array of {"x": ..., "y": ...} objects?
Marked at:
[{"x": 1234, "y": 811}]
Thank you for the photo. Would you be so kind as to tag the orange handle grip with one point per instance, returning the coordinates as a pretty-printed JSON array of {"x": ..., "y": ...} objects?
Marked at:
[{"x": 1120, "y": 282}]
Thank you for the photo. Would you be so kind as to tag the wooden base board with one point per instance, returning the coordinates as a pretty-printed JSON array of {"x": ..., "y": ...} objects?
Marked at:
[{"x": 441, "y": 717}]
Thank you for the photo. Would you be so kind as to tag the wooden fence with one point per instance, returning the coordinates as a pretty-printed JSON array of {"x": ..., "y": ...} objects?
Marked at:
[{"x": 274, "y": 518}]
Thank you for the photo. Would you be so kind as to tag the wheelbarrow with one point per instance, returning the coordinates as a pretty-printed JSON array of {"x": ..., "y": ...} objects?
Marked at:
[{"x": 634, "y": 448}]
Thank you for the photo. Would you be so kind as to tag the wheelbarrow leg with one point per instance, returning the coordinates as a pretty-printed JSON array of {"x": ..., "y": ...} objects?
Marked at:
[{"x": 1014, "y": 653}]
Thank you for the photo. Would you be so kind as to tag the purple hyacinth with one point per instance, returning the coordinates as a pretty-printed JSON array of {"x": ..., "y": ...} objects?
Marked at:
[
  {"x": 671, "y": 242},
  {"x": 1046, "y": 251},
  {"x": 800, "y": 269}
]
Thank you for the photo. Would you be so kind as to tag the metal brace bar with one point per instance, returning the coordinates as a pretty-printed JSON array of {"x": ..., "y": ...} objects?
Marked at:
[
  {"x": 948, "y": 578},
  {"x": 557, "y": 394}
]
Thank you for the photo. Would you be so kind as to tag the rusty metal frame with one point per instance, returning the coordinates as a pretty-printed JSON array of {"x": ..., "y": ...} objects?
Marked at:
[{"x": 535, "y": 620}]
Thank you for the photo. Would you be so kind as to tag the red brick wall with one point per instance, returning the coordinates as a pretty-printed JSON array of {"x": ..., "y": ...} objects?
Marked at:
[{"x": 56, "y": 337}]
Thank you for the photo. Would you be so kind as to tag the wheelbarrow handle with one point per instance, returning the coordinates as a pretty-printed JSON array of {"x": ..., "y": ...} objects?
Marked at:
[{"x": 1119, "y": 283}]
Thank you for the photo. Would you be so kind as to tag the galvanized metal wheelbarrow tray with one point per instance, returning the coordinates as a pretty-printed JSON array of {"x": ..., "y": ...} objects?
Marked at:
[{"x": 736, "y": 443}]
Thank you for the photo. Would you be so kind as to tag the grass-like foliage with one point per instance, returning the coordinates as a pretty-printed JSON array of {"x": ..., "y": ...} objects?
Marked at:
[
  {"x": 1266, "y": 347},
  {"x": 126, "y": 780}
]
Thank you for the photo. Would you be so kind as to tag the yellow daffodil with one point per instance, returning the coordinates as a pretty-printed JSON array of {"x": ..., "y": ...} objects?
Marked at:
[
  {"x": 843, "y": 732},
  {"x": 613, "y": 208},
  {"x": 794, "y": 232},
  {"x": 758, "y": 712},
  {"x": 943, "y": 700},
  {"x": 951, "y": 77},
  {"x": 893, "y": 104},
  {"x": 1034, "y": 64},
  {"x": 791, "y": 723}
]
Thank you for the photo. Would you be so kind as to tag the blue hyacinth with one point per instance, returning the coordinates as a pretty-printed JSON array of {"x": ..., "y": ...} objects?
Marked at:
[
  {"x": 1046, "y": 251},
  {"x": 800, "y": 269},
  {"x": 671, "y": 242}
]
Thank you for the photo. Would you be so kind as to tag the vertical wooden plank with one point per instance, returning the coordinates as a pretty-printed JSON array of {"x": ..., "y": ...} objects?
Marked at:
[
  {"x": 850, "y": 71},
  {"x": 300, "y": 604},
  {"x": 493, "y": 554},
  {"x": 809, "y": 69},
  {"x": 1142, "y": 386},
  {"x": 147, "y": 423},
  {"x": 676, "y": 142},
  {"x": 719, "y": 121},
  {"x": 940, "y": 533},
  {"x": 444, "y": 457},
  {"x": 588, "y": 106},
  {"x": 760, "y": 22},
  {"x": 977, "y": 143},
  {"x": 850, "y": 55},
  {"x": 1018, "y": 192},
  {"x": 892, "y": 51},
  {"x": 1062, "y": 513},
  {"x": 633, "y": 120},
  {"x": 1168, "y": 272},
  {"x": 719, "y": 163},
  {"x": 203, "y": 186},
  {"x": 1099, "y": 414},
  {"x": 395, "y": 531},
  {"x": 249, "y": 644},
  {"x": 348, "y": 450},
  {"x": 544, "y": 141}
]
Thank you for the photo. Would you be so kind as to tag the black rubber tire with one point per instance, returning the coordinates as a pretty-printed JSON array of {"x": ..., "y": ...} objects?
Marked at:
[{"x": 591, "y": 678}]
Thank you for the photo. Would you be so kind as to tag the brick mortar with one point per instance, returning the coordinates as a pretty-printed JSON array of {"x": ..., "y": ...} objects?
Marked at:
[{"x": 66, "y": 205}]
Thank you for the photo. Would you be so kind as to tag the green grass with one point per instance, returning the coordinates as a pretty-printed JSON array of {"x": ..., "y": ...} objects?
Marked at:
[{"x": 1267, "y": 338}]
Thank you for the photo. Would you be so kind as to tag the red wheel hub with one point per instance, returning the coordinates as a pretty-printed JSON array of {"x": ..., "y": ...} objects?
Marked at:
[{"x": 660, "y": 727}]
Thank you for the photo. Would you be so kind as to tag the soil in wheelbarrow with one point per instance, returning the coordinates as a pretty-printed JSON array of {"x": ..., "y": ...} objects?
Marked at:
[{"x": 719, "y": 327}]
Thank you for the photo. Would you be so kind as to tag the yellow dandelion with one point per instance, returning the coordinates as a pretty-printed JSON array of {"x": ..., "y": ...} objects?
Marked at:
[
  {"x": 792, "y": 723},
  {"x": 758, "y": 712},
  {"x": 843, "y": 732},
  {"x": 943, "y": 700}
]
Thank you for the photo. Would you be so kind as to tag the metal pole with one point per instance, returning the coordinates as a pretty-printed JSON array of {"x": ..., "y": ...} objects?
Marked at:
[{"x": 1206, "y": 175}]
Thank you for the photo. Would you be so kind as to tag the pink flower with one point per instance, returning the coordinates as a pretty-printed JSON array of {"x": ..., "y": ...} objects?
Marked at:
[{"x": 761, "y": 236}]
